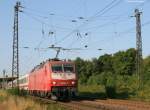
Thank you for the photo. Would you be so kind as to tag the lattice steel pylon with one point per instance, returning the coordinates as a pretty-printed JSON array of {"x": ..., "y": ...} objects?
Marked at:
[
  {"x": 15, "y": 60},
  {"x": 139, "y": 61}
]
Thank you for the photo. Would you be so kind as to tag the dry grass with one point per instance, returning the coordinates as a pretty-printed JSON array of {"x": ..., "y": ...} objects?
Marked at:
[
  {"x": 17, "y": 103},
  {"x": 3, "y": 93},
  {"x": 9, "y": 102}
]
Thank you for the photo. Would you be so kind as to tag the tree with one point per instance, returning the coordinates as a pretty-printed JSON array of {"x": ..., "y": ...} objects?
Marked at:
[
  {"x": 105, "y": 63},
  {"x": 124, "y": 62},
  {"x": 146, "y": 73}
]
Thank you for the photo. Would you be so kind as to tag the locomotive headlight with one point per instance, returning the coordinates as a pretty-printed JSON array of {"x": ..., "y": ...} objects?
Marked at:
[
  {"x": 73, "y": 82},
  {"x": 54, "y": 82}
]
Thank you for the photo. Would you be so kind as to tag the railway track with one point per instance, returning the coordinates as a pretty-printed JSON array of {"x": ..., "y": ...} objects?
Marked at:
[
  {"x": 71, "y": 105},
  {"x": 109, "y": 104},
  {"x": 112, "y": 104},
  {"x": 138, "y": 105}
]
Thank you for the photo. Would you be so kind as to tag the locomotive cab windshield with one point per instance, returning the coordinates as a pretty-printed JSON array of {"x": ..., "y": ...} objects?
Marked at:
[
  {"x": 63, "y": 68},
  {"x": 68, "y": 68},
  {"x": 57, "y": 68}
]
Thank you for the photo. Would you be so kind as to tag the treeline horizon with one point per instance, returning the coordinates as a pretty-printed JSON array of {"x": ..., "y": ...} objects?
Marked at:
[{"x": 116, "y": 73}]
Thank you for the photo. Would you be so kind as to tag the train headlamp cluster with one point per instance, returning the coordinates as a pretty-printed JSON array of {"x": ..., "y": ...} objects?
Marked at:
[
  {"x": 73, "y": 82},
  {"x": 54, "y": 82}
]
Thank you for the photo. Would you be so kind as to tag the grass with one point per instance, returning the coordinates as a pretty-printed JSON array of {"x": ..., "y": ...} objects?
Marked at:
[
  {"x": 90, "y": 88},
  {"x": 98, "y": 92},
  {"x": 3, "y": 96},
  {"x": 23, "y": 103},
  {"x": 143, "y": 95},
  {"x": 92, "y": 91}
]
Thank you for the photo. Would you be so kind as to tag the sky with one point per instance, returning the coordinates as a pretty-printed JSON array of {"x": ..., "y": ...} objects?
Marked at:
[{"x": 71, "y": 24}]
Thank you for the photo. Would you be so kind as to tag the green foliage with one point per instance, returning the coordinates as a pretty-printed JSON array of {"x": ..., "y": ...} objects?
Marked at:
[
  {"x": 14, "y": 91},
  {"x": 110, "y": 91},
  {"x": 116, "y": 73},
  {"x": 124, "y": 62},
  {"x": 94, "y": 91},
  {"x": 95, "y": 80},
  {"x": 105, "y": 62},
  {"x": 110, "y": 84},
  {"x": 146, "y": 73},
  {"x": 121, "y": 63}
]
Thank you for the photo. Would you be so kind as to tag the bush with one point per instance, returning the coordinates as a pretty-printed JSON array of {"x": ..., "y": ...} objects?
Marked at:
[
  {"x": 110, "y": 92},
  {"x": 14, "y": 91},
  {"x": 109, "y": 82},
  {"x": 95, "y": 80}
]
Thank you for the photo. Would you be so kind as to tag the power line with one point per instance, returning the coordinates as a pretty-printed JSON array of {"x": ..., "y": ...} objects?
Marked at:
[
  {"x": 116, "y": 18},
  {"x": 123, "y": 33},
  {"x": 109, "y": 8},
  {"x": 130, "y": 29},
  {"x": 42, "y": 22},
  {"x": 107, "y": 24},
  {"x": 103, "y": 11}
]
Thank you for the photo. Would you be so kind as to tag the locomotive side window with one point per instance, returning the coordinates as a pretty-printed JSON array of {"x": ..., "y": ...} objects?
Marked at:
[
  {"x": 57, "y": 68},
  {"x": 68, "y": 68}
]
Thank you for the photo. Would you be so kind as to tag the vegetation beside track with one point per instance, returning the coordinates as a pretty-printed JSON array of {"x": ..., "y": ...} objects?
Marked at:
[
  {"x": 98, "y": 92},
  {"x": 114, "y": 76},
  {"x": 16, "y": 102}
]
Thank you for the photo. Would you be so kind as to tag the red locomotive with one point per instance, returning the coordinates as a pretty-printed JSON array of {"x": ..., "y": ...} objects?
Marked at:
[{"x": 54, "y": 78}]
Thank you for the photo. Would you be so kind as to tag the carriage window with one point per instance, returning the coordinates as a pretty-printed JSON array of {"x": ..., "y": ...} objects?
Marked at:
[
  {"x": 57, "y": 68},
  {"x": 68, "y": 68}
]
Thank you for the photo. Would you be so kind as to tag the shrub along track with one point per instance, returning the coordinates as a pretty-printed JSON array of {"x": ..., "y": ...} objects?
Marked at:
[{"x": 109, "y": 104}]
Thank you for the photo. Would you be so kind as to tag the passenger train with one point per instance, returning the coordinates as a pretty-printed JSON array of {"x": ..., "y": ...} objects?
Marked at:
[{"x": 54, "y": 78}]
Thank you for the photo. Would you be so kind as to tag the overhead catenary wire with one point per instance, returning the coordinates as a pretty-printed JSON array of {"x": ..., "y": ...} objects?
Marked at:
[
  {"x": 97, "y": 12},
  {"x": 103, "y": 11},
  {"x": 105, "y": 8},
  {"x": 123, "y": 33},
  {"x": 117, "y": 17},
  {"x": 97, "y": 16},
  {"x": 43, "y": 22},
  {"x": 57, "y": 16}
]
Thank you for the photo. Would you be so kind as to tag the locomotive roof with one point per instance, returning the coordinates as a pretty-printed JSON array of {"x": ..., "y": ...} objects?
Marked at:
[
  {"x": 55, "y": 60},
  {"x": 63, "y": 61}
]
